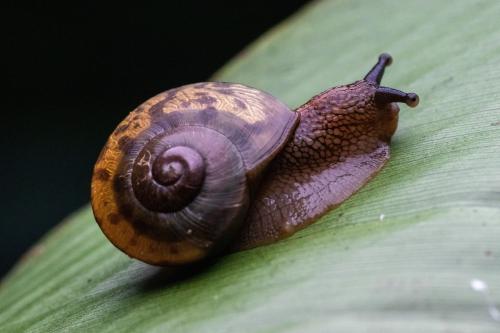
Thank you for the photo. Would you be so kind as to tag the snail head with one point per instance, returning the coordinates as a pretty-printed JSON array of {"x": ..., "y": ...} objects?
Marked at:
[
  {"x": 385, "y": 98},
  {"x": 365, "y": 107}
]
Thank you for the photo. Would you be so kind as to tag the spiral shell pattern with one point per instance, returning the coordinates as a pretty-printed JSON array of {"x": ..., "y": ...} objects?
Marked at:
[{"x": 173, "y": 183}]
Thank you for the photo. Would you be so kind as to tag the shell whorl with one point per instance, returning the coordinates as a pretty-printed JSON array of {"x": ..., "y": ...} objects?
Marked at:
[
  {"x": 175, "y": 187},
  {"x": 168, "y": 180},
  {"x": 172, "y": 184}
]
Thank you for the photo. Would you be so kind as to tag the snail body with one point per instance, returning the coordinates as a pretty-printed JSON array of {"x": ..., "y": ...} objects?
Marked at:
[{"x": 213, "y": 166}]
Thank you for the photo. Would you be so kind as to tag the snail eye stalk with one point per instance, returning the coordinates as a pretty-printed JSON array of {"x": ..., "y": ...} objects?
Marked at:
[
  {"x": 386, "y": 95},
  {"x": 377, "y": 71}
]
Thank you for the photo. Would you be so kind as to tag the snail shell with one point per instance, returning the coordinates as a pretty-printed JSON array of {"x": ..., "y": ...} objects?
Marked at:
[{"x": 173, "y": 183}]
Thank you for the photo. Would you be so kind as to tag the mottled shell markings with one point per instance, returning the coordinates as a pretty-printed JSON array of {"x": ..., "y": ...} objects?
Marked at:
[{"x": 235, "y": 129}]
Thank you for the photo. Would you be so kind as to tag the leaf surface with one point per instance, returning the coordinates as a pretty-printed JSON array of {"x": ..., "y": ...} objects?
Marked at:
[{"x": 399, "y": 256}]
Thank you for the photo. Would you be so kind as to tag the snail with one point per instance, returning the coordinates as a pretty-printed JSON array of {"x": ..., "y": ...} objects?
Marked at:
[{"x": 212, "y": 167}]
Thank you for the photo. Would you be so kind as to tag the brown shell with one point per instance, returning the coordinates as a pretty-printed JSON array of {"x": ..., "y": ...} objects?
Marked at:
[{"x": 236, "y": 129}]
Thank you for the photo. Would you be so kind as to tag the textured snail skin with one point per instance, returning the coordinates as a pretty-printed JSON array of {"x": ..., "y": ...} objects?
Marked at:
[
  {"x": 214, "y": 166},
  {"x": 342, "y": 141}
]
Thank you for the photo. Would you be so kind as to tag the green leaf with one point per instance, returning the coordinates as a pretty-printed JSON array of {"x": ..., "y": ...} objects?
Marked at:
[{"x": 399, "y": 256}]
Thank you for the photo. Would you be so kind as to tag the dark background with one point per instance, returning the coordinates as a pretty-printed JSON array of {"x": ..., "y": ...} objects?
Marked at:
[{"x": 74, "y": 71}]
